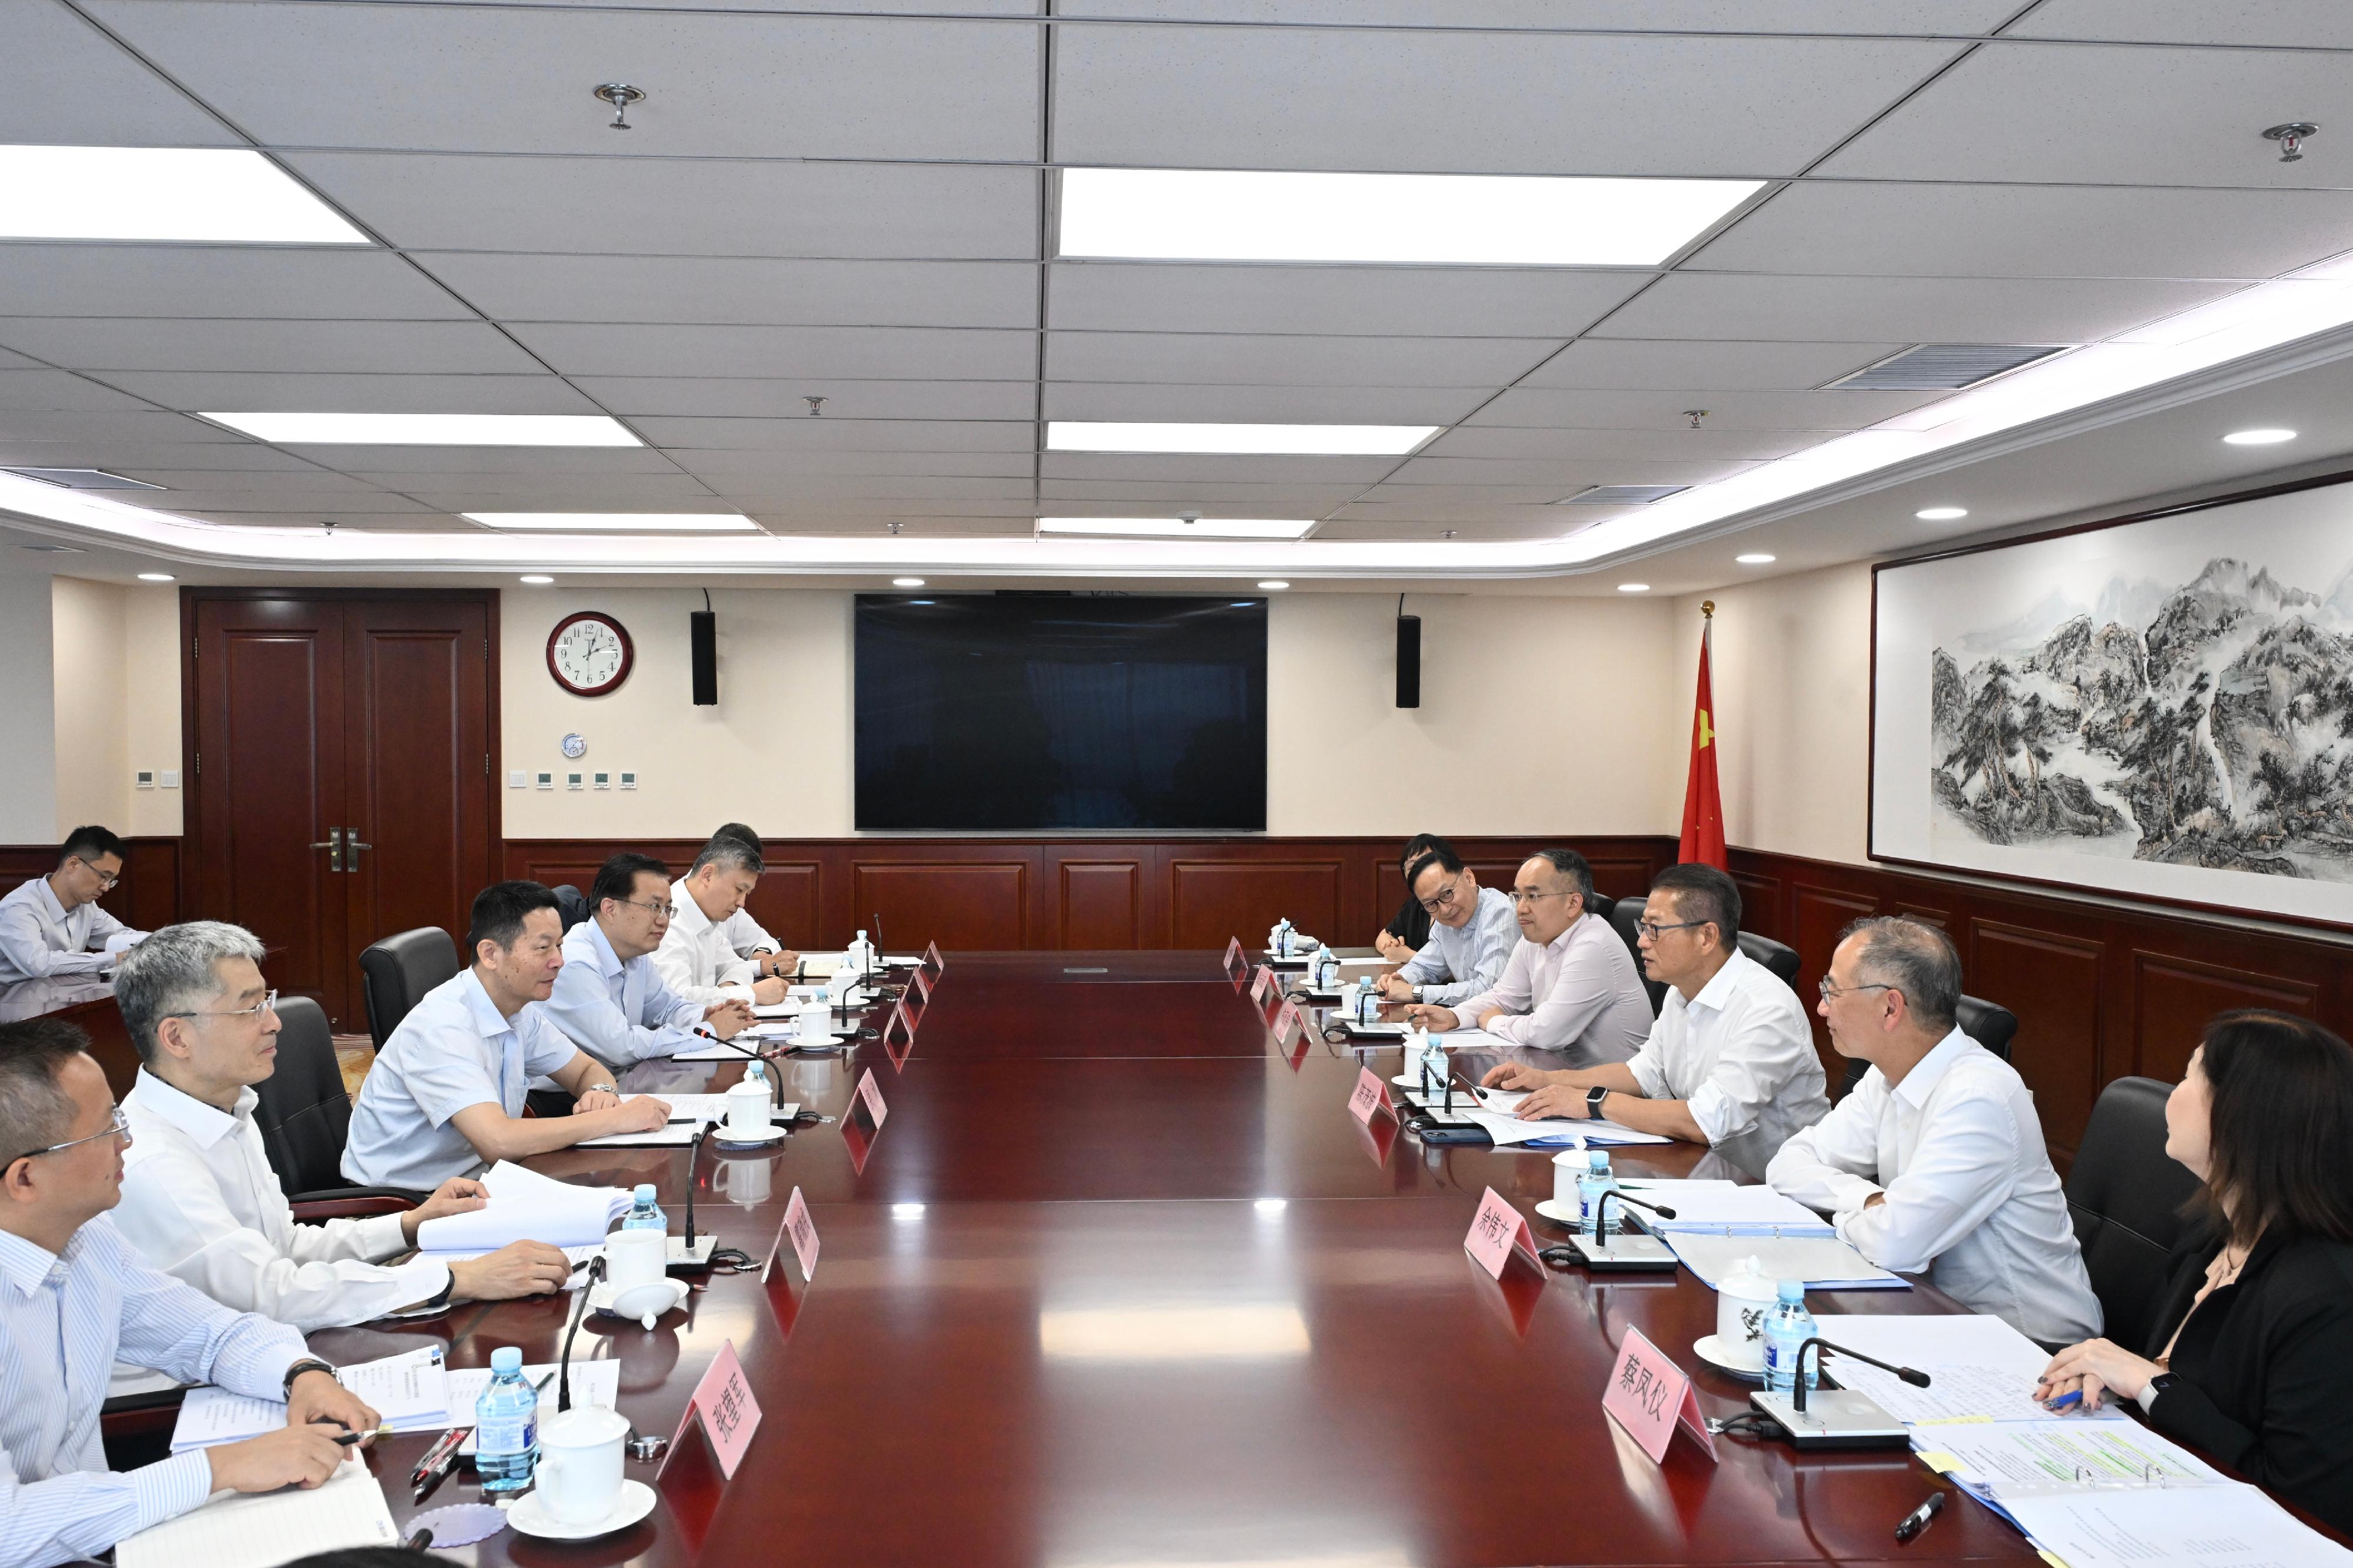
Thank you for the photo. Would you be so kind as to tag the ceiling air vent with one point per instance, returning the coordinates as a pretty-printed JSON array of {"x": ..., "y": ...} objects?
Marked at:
[
  {"x": 84, "y": 479},
  {"x": 1621, "y": 495},
  {"x": 1942, "y": 367},
  {"x": 54, "y": 549}
]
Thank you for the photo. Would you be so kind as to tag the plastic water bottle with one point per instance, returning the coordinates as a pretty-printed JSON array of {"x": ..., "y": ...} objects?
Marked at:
[
  {"x": 1787, "y": 1328},
  {"x": 1279, "y": 939},
  {"x": 645, "y": 1213},
  {"x": 506, "y": 1426},
  {"x": 1595, "y": 1179},
  {"x": 860, "y": 955}
]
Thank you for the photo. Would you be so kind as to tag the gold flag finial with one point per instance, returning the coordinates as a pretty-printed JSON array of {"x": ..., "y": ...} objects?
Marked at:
[{"x": 1707, "y": 608}]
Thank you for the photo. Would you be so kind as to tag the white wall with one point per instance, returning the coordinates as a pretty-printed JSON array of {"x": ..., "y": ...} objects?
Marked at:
[
  {"x": 115, "y": 653},
  {"x": 1537, "y": 715},
  {"x": 28, "y": 780}
]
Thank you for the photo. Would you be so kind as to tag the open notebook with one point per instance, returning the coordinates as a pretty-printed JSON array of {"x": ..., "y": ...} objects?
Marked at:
[{"x": 265, "y": 1529}]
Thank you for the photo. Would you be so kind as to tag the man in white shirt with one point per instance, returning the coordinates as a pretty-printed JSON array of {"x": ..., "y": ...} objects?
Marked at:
[
  {"x": 1935, "y": 1162},
  {"x": 746, "y": 935},
  {"x": 1730, "y": 1062},
  {"x": 199, "y": 1198},
  {"x": 694, "y": 958},
  {"x": 52, "y": 924},
  {"x": 446, "y": 1092},
  {"x": 1569, "y": 985},
  {"x": 1472, "y": 930},
  {"x": 609, "y": 997},
  {"x": 74, "y": 1296}
]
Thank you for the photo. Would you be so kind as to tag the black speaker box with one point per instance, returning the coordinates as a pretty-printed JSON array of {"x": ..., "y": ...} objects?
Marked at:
[
  {"x": 703, "y": 640},
  {"x": 1408, "y": 662}
]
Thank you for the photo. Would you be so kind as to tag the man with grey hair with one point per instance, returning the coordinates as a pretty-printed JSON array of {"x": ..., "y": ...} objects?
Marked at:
[
  {"x": 74, "y": 1297},
  {"x": 695, "y": 959},
  {"x": 199, "y": 1198},
  {"x": 746, "y": 935},
  {"x": 1936, "y": 1163}
]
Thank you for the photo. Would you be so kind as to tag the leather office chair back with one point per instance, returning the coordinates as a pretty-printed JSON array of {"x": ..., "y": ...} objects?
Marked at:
[
  {"x": 1777, "y": 956},
  {"x": 2127, "y": 1199},
  {"x": 1602, "y": 904},
  {"x": 1990, "y": 1024},
  {"x": 572, "y": 905},
  {"x": 1625, "y": 917},
  {"x": 305, "y": 1106},
  {"x": 396, "y": 973}
]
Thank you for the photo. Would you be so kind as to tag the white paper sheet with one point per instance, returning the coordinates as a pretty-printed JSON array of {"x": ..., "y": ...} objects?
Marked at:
[
  {"x": 596, "y": 1382},
  {"x": 1823, "y": 1262},
  {"x": 716, "y": 1051},
  {"x": 267, "y": 1529},
  {"x": 527, "y": 1206},
  {"x": 575, "y": 1255},
  {"x": 1979, "y": 1369},
  {"x": 2227, "y": 1526},
  {"x": 410, "y": 1391},
  {"x": 687, "y": 1112},
  {"x": 2011, "y": 1460},
  {"x": 1717, "y": 1205}
]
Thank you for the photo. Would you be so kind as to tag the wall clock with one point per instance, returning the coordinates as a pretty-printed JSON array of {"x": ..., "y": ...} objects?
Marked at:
[{"x": 590, "y": 654}]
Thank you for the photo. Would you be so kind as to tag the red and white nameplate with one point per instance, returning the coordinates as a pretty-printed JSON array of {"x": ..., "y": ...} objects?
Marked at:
[
  {"x": 803, "y": 1232},
  {"x": 899, "y": 1020},
  {"x": 1372, "y": 1094},
  {"x": 1651, "y": 1397},
  {"x": 1237, "y": 961},
  {"x": 921, "y": 981},
  {"x": 1496, "y": 1231},
  {"x": 1263, "y": 985},
  {"x": 1288, "y": 1021},
  {"x": 932, "y": 958},
  {"x": 730, "y": 1414},
  {"x": 871, "y": 1099}
]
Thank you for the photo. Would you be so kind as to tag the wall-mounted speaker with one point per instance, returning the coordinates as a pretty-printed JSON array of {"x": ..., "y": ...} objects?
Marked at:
[
  {"x": 1408, "y": 662},
  {"x": 703, "y": 642}
]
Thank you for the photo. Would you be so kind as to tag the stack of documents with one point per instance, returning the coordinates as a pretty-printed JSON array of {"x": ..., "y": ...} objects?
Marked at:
[
  {"x": 687, "y": 1113},
  {"x": 267, "y": 1529},
  {"x": 1494, "y": 1108},
  {"x": 1723, "y": 1208},
  {"x": 411, "y": 1392},
  {"x": 1822, "y": 1260},
  {"x": 1979, "y": 1369},
  {"x": 526, "y": 1206}
]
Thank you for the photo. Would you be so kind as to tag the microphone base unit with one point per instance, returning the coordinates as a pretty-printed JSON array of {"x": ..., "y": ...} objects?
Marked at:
[
  {"x": 694, "y": 1259},
  {"x": 1630, "y": 1252},
  {"x": 1833, "y": 1418}
]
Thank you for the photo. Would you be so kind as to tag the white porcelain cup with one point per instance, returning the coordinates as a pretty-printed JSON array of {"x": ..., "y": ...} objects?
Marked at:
[
  {"x": 814, "y": 1022},
  {"x": 579, "y": 1479},
  {"x": 747, "y": 1111},
  {"x": 1565, "y": 1169},
  {"x": 1743, "y": 1301},
  {"x": 744, "y": 1181},
  {"x": 635, "y": 1257}
]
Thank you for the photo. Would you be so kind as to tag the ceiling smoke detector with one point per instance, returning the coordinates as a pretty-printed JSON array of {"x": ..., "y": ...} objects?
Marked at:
[
  {"x": 620, "y": 95},
  {"x": 2291, "y": 138}
]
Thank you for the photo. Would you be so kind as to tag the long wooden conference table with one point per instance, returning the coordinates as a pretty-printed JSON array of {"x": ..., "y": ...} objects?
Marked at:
[{"x": 1119, "y": 1281}]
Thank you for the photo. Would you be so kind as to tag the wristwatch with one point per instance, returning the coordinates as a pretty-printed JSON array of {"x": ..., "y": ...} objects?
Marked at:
[
  {"x": 1593, "y": 1099},
  {"x": 1418, "y": 993},
  {"x": 601, "y": 1089},
  {"x": 2156, "y": 1386},
  {"x": 308, "y": 1364}
]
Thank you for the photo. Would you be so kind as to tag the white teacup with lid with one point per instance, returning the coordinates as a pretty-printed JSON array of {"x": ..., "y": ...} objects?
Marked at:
[{"x": 1744, "y": 1299}]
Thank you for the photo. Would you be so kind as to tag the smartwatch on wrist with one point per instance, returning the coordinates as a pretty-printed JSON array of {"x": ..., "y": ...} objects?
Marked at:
[
  {"x": 1593, "y": 1099},
  {"x": 308, "y": 1364},
  {"x": 2156, "y": 1386}
]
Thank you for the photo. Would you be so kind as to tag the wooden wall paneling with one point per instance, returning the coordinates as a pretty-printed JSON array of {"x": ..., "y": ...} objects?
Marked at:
[
  {"x": 1210, "y": 900},
  {"x": 2052, "y": 982},
  {"x": 148, "y": 897},
  {"x": 956, "y": 903},
  {"x": 1102, "y": 903},
  {"x": 1818, "y": 913},
  {"x": 1760, "y": 904},
  {"x": 2173, "y": 997},
  {"x": 788, "y": 902}
]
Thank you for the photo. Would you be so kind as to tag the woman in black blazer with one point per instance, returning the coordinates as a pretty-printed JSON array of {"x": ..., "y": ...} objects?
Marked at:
[
  {"x": 1410, "y": 933},
  {"x": 2253, "y": 1359}
]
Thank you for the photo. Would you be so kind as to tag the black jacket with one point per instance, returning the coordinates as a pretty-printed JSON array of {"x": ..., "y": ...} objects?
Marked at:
[
  {"x": 1412, "y": 923},
  {"x": 2266, "y": 1367}
]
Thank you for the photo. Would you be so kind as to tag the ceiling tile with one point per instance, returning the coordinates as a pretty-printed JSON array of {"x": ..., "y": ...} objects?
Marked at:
[
  {"x": 1186, "y": 468},
  {"x": 517, "y": 80},
  {"x": 363, "y": 521},
  {"x": 92, "y": 342},
  {"x": 345, "y": 394},
  {"x": 1570, "y": 473},
  {"x": 312, "y": 481},
  {"x": 1165, "y": 497},
  {"x": 2279, "y": 24},
  {"x": 60, "y": 279},
  {"x": 57, "y": 390},
  {"x": 87, "y": 91},
  {"x": 917, "y": 526},
  {"x": 1484, "y": 532},
  {"x": 811, "y": 489},
  {"x": 1926, "y": 17},
  {"x": 297, "y": 503},
  {"x": 135, "y": 457},
  {"x": 1468, "y": 102},
  {"x": 1905, "y": 310},
  {"x": 1539, "y": 408},
  {"x": 722, "y": 466},
  {"x": 736, "y": 397},
  {"x": 1269, "y": 360},
  {"x": 806, "y": 353},
  {"x": 1420, "y": 497},
  {"x": 831, "y": 435},
  {"x": 624, "y": 493},
  {"x": 1670, "y": 444},
  {"x": 1668, "y": 365},
  {"x": 392, "y": 464},
  {"x": 741, "y": 289},
  {"x": 117, "y": 430},
  {"x": 1439, "y": 302},
  {"x": 1261, "y": 404}
]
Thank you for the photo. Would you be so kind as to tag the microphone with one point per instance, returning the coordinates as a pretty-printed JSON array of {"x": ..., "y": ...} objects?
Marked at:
[
  {"x": 877, "y": 966},
  {"x": 1601, "y": 1209},
  {"x": 689, "y": 1258},
  {"x": 1910, "y": 1374},
  {"x": 579, "y": 1311}
]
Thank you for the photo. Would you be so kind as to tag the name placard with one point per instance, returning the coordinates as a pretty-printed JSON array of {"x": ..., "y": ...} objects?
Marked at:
[
  {"x": 1651, "y": 1396},
  {"x": 1496, "y": 1230},
  {"x": 1289, "y": 1022},
  {"x": 933, "y": 961},
  {"x": 905, "y": 1028},
  {"x": 1262, "y": 984},
  {"x": 871, "y": 1099},
  {"x": 723, "y": 1402},
  {"x": 803, "y": 1232},
  {"x": 1237, "y": 961},
  {"x": 922, "y": 980},
  {"x": 1372, "y": 1095}
]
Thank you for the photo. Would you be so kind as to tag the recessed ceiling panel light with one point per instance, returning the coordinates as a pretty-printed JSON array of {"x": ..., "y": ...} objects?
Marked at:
[
  {"x": 2272, "y": 437},
  {"x": 85, "y": 479},
  {"x": 1212, "y": 528},
  {"x": 1621, "y": 495},
  {"x": 431, "y": 429},
  {"x": 1940, "y": 513},
  {"x": 155, "y": 577},
  {"x": 612, "y": 521},
  {"x": 1756, "y": 560},
  {"x": 1633, "y": 587},
  {"x": 218, "y": 194},
  {"x": 1278, "y": 440},
  {"x": 1220, "y": 215},
  {"x": 1275, "y": 585},
  {"x": 906, "y": 581},
  {"x": 536, "y": 580}
]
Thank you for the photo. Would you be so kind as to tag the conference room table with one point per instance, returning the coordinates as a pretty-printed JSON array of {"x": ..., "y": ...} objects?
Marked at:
[{"x": 1120, "y": 1280}]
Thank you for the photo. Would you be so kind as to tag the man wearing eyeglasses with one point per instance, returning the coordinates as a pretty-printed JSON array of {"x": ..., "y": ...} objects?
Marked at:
[
  {"x": 695, "y": 957},
  {"x": 1472, "y": 932},
  {"x": 74, "y": 1296},
  {"x": 1729, "y": 1063},
  {"x": 1935, "y": 1162},
  {"x": 200, "y": 1201},
  {"x": 1569, "y": 985},
  {"x": 52, "y": 924},
  {"x": 749, "y": 939},
  {"x": 608, "y": 996}
]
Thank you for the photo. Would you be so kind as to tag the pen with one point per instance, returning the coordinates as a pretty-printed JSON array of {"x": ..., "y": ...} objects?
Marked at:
[
  {"x": 2066, "y": 1401},
  {"x": 1917, "y": 1520},
  {"x": 419, "y": 1542},
  {"x": 444, "y": 1447}
]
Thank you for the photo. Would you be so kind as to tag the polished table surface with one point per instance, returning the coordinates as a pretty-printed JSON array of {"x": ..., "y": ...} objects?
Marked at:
[{"x": 1120, "y": 1281}]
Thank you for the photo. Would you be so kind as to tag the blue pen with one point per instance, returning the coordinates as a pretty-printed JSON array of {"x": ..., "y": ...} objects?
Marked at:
[{"x": 2066, "y": 1400}]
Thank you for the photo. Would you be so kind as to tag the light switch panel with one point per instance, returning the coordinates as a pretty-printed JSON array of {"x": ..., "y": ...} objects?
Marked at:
[
  {"x": 518, "y": 778},
  {"x": 170, "y": 778}
]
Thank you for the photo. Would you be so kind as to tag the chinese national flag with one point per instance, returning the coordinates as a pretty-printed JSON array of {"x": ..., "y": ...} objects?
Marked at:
[{"x": 1702, "y": 805}]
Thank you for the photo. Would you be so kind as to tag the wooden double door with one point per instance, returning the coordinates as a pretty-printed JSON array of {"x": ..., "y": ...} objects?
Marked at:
[{"x": 340, "y": 756}]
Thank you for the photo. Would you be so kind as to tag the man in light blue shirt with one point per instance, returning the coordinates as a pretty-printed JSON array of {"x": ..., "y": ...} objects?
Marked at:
[
  {"x": 445, "y": 1094},
  {"x": 52, "y": 925},
  {"x": 609, "y": 997},
  {"x": 74, "y": 1296},
  {"x": 1472, "y": 930}
]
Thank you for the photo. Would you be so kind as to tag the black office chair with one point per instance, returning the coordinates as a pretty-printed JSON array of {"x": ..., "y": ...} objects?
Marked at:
[
  {"x": 2126, "y": 1198},
  {"x": 1990, "y": 1024},
  {"x": 302, "y": 1117},
  {"x": 572, "y": 904},
  {"x": 1625, "y": 917},
  {"x": 1777, "y": 956},
  {"x": 1601, "y": 904},
  {"x": 396, "y": 973}
]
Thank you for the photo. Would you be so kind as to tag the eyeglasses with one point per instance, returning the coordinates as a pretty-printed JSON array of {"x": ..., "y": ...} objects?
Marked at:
[
  {"x": 1444, "y": 900},
  {"x": 105, "y": 880},
  {"x": 1521, "y": 896},
  {"x": 1653, "y": 930},
  {"x": 119, "y": 1127},
  {"x": 268, "y": 1003},
  {"x": 668, "y": 911},
  {"x": 1832, "y": 993}
]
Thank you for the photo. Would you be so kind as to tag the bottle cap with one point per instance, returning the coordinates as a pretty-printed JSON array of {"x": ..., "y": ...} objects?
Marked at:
[
  {"x": 1790, "y": 1290},
  {"x": 1596, "y": 1159},
  {"x": 645, "y": 1193},
  {"x": 506, "y": 1358}
]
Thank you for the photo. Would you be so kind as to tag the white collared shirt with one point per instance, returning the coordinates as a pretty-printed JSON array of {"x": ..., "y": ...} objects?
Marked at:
[
  {"x": 201, "y": 1202},
  {"x": 40, "y": 936},
  {"x": 695, "y": 959},
  {"x": 745, "y": 937},
  {"x": 1971, "y": 1198},
  {"x": 1459, "y": 961},
  {"x": 64, "y": 1321},
  {"x": 453, "y": 1051},
  {"x": 617, "y": 1010},
  {"x": 1578, "y": 993},
  {"x": 1741, "y": 1057}
]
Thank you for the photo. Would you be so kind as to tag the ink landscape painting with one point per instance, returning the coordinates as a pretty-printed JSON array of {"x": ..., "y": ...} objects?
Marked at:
[{"x": 2162, "y": 707}]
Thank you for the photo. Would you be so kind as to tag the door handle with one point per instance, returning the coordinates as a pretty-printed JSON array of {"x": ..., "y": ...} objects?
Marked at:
[
  {"x": 355, "y": 846},
  {"x": 333, "y": 846}
]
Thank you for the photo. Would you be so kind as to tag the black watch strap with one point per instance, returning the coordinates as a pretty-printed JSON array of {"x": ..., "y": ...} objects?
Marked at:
[
  {"x": 308, "y": 1364},
  {"x": 1593, "y": 1099}
]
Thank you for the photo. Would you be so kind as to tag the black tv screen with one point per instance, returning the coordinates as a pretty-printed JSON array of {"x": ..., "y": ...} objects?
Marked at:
[{"x": 1015, "y": 712}]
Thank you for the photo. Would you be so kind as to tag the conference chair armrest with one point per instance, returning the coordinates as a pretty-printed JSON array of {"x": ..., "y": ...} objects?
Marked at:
[
  {"x": 352, "y": 1203},
  {"x": 137, "y": 1422}
]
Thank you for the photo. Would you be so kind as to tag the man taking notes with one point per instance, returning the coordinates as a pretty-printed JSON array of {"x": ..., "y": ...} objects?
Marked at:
[
  {"x": 609, "y": 997},
  {"x": 694, "y": 957},
  {"x": 199, "y": 1198},
  {"x": 74, "y": 1296},
  {"x": 1730, "y": 1062},
  {"x": 446, "y": 1092},
  {"x": 52, "y": 924},
  {"x": 1570, "y": 985},
  {"x": 1472, "y": 933},
  {"x": 745, "y": 934},
  {"x": 1935, "y": 1162}
]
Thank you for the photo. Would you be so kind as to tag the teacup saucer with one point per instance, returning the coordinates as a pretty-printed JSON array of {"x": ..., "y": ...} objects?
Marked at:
[
  {"x": 529, "y": 1515},
  {"x": 726, "y": 1140},
  {"x": 1709, "y": 1348},
  {"x": 604, "y": 1299}
]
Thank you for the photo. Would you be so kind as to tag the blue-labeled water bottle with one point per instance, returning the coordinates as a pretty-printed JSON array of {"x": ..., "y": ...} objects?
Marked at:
[
  {"x": 645, "y": 1213},
  {"x": 506, "y": 1426},
  {"x": 1595, "y": 1180},
  {"x": 1786, "y": 1328}
]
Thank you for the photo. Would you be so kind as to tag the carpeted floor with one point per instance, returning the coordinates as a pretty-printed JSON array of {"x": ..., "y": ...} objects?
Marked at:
[{"x": 354, "y": 1054}]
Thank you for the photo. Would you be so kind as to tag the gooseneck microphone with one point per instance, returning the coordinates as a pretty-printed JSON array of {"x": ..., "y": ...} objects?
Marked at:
[
  {"x": 1910, "y": 1374},
  {"x": 1601, "y": 1209},
  {"x": 579, "y": 1310},
  {"x": 693, "y": 1155}
]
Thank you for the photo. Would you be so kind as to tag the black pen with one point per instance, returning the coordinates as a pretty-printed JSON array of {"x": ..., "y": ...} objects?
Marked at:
[{"x": 1917, "y": 1520}]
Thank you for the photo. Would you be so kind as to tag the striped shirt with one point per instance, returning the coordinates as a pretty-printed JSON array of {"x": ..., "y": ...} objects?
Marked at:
[
  {"x": 1468, "y": 958},
  {"x": 63, "y": 1320},
  {"x": 41, "y": 937}
]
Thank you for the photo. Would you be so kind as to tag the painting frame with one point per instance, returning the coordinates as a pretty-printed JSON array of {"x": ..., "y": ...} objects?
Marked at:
[{"x": 2325, "y": 902}]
